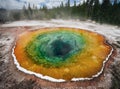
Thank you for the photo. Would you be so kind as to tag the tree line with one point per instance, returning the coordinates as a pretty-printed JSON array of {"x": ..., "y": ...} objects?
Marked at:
[{"x": 105, "y": 12}]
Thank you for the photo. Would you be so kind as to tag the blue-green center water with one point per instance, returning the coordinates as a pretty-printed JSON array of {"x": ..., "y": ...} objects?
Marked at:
[{"x": 54, "y": 48}]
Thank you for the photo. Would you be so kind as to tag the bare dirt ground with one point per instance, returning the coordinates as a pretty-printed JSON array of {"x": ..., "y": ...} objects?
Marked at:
[{"x": 13, "y": 78}]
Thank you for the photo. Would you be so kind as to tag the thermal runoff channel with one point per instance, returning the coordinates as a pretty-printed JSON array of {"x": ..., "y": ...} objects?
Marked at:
[{"x": 62, "y": 53}]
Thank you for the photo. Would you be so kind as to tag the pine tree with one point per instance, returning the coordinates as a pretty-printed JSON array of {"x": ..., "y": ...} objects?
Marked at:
[
  {"x": 115, "y": 19},
  {"x": 30, "y": 9},
  {"x": 96, "y": 10},
  {"x": 24, "y": 9},
  {"x": 68, "y": 3},
  {"x": 74, "y": 3},
  {"x": 105, "y": 10},
  {"x": 90, "y": 7},
  {"x": 61, "y": 5}
]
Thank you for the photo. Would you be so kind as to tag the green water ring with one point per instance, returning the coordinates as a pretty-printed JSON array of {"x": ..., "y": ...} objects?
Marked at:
[{"x": 54, "y": 49}]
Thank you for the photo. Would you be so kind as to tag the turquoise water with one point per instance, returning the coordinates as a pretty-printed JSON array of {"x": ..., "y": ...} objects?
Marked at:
[{"x": 55, "y": 48}]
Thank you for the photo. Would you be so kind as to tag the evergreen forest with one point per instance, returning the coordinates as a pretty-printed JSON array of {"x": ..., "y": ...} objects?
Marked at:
[{"x": 105, "y": 12}]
